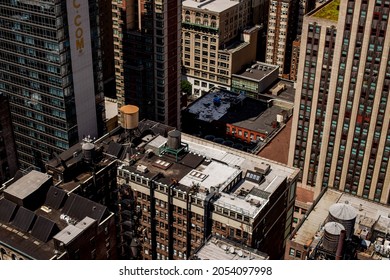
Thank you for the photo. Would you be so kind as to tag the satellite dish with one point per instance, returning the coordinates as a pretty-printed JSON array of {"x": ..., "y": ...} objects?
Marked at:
[
  {"x": 232, "y": 250},
  {"x": 239, "y": 253},
  {"x": 224, "y": 247}
]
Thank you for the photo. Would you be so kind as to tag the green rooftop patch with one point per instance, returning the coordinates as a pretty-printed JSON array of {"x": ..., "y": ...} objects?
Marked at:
[{"x": 330, "y": 11}]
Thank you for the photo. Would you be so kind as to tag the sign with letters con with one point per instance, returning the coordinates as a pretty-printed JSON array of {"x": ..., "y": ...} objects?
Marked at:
[{"x": 82, "y": 67}]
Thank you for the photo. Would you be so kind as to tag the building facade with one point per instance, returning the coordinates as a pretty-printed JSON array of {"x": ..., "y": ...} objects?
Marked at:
[
  {"x": 50, "y": 68},
  {"x": 295, "y": 59},
  {"x": 8, "y": 157},
  {"x": 282, "y": 30},
  {"x": 185, "y": 189},
  {"x": 343, "y": 136},
  {"x": 147, "y": 57},
  {"x": 216, "y": 42}
]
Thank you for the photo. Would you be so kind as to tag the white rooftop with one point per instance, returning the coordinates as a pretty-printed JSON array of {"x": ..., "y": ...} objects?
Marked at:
[
  {"x": 213, "y": 175},
  {"x": 241, "y": 161},
  {"x": 210, "y": 5}
]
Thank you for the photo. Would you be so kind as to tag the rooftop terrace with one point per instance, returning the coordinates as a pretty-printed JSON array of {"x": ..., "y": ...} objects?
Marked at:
[{"x": 329, "y": 11}]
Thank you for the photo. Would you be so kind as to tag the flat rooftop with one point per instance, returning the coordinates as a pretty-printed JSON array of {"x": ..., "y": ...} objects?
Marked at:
[
  {"x": 257, "y": 71},
  {"x": 329, "y": 11},
  {"x": 208, "y": 164},
  {"x": 282, "y": 89},
  {"x": 27, "y": 184},
  {"x": 217, "y": 6},
  {"x": 236, "y": 109},
  {"x": 277, "y": 149},
  {"x": 366, "y": 211},
  {"x": 205, "y": 109},
  {"x": 263, "y": 123},
  {"x": 222, "y": 249},
  {"x": 244, "y": 162}
]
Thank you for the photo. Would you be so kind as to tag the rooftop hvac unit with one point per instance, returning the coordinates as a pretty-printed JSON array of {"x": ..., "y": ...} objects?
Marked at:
[
  {"x": 142, "y": 168},
  {"x": 263, "y": 168}
]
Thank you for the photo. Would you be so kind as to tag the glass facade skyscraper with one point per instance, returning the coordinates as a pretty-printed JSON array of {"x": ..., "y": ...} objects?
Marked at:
[{"x": 50, "y": 68}]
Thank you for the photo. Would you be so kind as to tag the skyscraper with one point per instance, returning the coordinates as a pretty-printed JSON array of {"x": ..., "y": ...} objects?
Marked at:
[
  {"x": 50, "y": 68},
  {"x": 342, "y": 109},
  {"x": 147, "y": 57},
  {"x": 282, "y": 30}
]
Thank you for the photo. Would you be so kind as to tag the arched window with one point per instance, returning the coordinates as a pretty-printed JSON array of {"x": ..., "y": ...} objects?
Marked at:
[
  {"x": 213, "y": 17},
  {"x": 213, "y": 24},
  {"x": 187, "y": 12},
  {"x": 197, "y": 21},
  {"x": 206, "y": 22},
  {"x": 188, "y": 19}
]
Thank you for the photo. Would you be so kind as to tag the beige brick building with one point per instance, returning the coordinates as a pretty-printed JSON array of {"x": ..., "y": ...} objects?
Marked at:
[
  {"x": 216, "y": 42},
  {"x": 342, "y": 137}
]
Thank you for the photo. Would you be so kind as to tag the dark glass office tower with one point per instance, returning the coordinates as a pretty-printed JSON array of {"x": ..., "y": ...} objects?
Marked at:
[{"x": 51, "y": 71}]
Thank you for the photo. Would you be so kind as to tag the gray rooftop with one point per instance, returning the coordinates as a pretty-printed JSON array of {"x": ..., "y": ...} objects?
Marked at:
[
  {"x": 27, "y": 184},
  {"x": 221, "y": 249},
  {"x": 257, "y": 71},
  {"x": 68, "y": 234},
  {"x": 367, "y": 212},
  {"x": 217, "y": 6}
]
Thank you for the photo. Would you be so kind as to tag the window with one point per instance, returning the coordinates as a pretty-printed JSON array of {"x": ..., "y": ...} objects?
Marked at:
[{"x": 292, "y": 252}]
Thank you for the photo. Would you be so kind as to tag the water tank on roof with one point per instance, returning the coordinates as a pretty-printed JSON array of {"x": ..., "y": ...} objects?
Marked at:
[
  {"x": 344, "y": 214},
  {"x": 174, "y": 139},
  {"x": 129, "y": 116},
  {"x": 88, "y": 151},
  {"x": 332, "y": 232}
]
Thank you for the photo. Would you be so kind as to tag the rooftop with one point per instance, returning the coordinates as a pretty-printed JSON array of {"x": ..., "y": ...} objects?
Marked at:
[
  {"x": 217, "y": 6},
  {"x": 222, "y": 249},
  {"x": 244, "y": 182},
  {"x": 237, "y": 109},
  {"x": 329, "y": 11},
  {"x": 368, "y": 214},
  {"x": 27, "y": 184},
  {"x": 206, "y": 108},
  {"x": 32, "y": 231},
  {"x": 282, "y": 89},
  {"x": 257, "y": 71},
  {"x": 277, "y": 149}
]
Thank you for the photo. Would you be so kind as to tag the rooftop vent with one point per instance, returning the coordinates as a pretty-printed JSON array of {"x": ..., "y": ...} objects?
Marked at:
[
  {"x": 263, "y": 168},
  {"x": 142, "y": 168}
]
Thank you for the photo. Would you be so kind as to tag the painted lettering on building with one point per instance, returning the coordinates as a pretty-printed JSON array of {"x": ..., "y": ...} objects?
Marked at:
[{"x": 77, "y": 20}]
